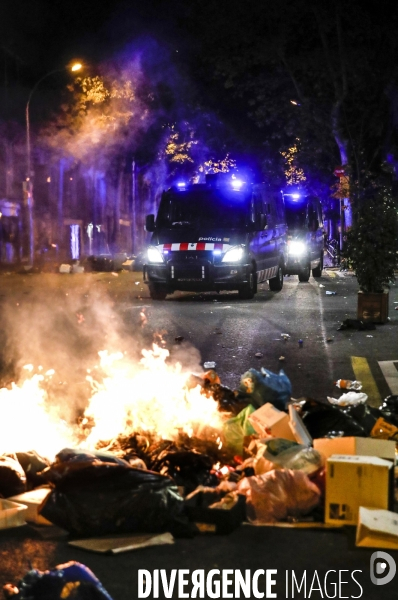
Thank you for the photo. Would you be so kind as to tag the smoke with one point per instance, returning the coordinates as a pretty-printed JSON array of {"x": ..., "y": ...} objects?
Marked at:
[
  {"x": 136, "y": 104},
  {"x": 64, "y": 329}
]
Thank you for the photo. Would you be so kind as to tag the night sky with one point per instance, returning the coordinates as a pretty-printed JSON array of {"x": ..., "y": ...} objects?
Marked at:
[
  {"x": 245, "y": 62},
  {"x": 39, "y": 35}
]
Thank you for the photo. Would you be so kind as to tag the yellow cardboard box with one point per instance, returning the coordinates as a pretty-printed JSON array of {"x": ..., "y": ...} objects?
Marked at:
[
  {"x": 377, "y": 528},
  {"x": 356, "y": 445},
  {"x": 353, "y": 481}
]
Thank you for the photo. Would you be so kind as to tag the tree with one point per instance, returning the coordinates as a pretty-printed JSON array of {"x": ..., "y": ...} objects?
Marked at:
[
  {"x": 373, "y": 240},
  {"x": 318, "y": 72}
]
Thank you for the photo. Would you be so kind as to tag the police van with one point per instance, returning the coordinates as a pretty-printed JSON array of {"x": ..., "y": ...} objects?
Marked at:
[
  {"x": 224, "y": 234},
  {"x": 305, "y": 235}
]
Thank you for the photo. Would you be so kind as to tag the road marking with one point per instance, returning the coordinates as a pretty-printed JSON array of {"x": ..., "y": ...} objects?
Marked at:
[
  {"x": 390, "y": 371},
  {"x": 363, "y": 373}
]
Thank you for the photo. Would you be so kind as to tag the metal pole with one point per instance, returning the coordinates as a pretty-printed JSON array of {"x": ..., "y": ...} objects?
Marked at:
[
  {"x": 29, "y": 188},
  {"x": 134, "y": 207}
]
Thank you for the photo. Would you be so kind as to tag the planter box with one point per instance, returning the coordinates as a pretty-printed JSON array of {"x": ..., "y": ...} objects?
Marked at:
[{"x": 373, "y": 306}]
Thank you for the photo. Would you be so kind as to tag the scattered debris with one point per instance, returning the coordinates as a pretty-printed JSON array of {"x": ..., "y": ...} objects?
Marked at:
[
  {"x": 348, "y": 384},
  {"x": 65, "y": 268},
  {"x": 285, "y": 336},
  {"x": 259, "y": 355},
  {"x": 262, "y": 457},
  {"x": 331, "y": 293},
  {"x": 209, "y": 364}
]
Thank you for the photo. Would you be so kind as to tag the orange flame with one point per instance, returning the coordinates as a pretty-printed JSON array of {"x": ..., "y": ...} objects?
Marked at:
[{"x": 149, "y": 397}]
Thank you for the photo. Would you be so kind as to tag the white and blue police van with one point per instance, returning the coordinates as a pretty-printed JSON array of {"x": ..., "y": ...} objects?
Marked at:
[
  {"x": 225, "y": 234},
  {"x": 305, "y": 235}
]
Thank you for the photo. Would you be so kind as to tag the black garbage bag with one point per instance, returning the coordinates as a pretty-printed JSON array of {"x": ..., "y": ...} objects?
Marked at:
[
  {"x": 188, "y": 468},
  {"x": 100, "y": 262},
  {"x": 12, "y": 477},
  {"x": 389, "y": 409},
  {"x": 78, "y": 455},
  {"x": 91, "y": 499},
  {"x": 323, "y": 421},
  {"x": 364, "y": 415},
  {"x": 71, "y": 581},
  {"x": 356, "y": 324},
  {"x": 32, "y": 465}
]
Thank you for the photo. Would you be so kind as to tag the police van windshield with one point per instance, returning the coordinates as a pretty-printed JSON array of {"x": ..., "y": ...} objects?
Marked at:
[
  {"x": 221, "y": 209},
  {"x": 295, "y": 215}
]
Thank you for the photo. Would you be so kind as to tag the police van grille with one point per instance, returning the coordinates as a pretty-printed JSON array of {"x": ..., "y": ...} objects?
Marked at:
[
  {"x": 193, "y": 256},
  {"x": 189, "y": 272}
]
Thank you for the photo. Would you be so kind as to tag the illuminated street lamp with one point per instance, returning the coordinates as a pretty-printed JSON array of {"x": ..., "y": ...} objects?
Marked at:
[{"x": 28, "y": 184}]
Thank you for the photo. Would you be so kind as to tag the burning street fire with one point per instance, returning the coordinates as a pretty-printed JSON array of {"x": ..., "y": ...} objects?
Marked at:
[{"x": 150, "y": 397}]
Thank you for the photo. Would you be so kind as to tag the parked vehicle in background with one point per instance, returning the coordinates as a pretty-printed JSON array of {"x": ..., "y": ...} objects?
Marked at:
[
  {"x": 305, "y": 235},
  {"x": 225, "y": 234}
]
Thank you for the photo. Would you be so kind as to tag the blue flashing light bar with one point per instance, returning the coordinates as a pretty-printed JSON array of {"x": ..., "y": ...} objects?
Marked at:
[
  {"x": 294, "y": 195},
  {"x": 237, "y": 184},
  {"x": 181, "y": 185}
]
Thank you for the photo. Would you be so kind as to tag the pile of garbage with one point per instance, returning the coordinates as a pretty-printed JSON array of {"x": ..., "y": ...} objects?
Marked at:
[{"x": 270, "y": 464}]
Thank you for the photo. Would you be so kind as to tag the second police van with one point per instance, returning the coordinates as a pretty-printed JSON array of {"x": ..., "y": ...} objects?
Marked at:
[
  {"x": 305, "y": 235},
  {"x": 224, "y": 234}
]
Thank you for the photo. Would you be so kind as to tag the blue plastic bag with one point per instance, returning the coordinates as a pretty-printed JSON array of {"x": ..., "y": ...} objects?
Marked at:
[
  {"x": 70, "y": 581},
  {"x": 265, "y": 386}
]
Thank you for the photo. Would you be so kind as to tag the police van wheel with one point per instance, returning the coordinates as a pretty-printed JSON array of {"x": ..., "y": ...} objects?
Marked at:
[
  {"x": 305, "y": 274},
  {"x": 317, "y": 272},
  {"x": 276, "y": 283},
  {"x": 157, "y": 292},
  {"x": 248, "y": 289}
]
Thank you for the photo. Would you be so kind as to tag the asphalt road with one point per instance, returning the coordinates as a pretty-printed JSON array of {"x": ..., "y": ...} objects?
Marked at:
[
  {"x": 40, "y": 318},
  {"x": 229, "y": 331}
]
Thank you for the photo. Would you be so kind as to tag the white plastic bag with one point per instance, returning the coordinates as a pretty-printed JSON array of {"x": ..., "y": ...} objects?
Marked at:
[{"x": 349, "y": 399}]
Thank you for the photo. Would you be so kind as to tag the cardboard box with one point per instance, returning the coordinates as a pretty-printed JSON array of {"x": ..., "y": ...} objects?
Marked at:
[
  {"x": 12, "y": 514},
  {"x": 268, "y": 420},
  {"x": 299, "y": 430},
  {"x": 123, "y": 543},
  {"x": 353, "y": 481},
  {"x": 377, "y": 528},
  {"x": 33, "y": 501},
  {"x": 356, "y": 445}
]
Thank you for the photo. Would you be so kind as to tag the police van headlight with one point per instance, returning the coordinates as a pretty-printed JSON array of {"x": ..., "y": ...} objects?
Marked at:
[
  {"x": 154, "y": 255},
  {"x": 297, "y": 248},
  {"x": 234, "y": 254}
]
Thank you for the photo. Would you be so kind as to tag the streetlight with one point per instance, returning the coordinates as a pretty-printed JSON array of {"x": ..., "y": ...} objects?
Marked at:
[{"x": 28, "y": 185}]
